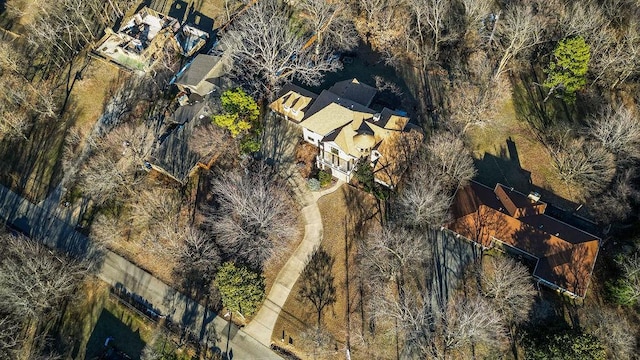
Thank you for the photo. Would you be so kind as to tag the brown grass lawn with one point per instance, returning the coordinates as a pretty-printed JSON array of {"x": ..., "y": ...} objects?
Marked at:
[
  {"x": 90, "y": 94},
  {"x": 509, "y": 153},
  {"x": 346, "y": 214}
]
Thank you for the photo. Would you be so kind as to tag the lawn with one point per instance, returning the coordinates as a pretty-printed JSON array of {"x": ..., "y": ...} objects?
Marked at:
[
  {"x": 125, "y": 330},
  {"x": 508, "y": 152},
  {"x": 340, "y": 236}
]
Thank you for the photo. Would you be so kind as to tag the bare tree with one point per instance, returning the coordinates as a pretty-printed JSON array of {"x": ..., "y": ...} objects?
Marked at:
[
  {"x": 432, "y": 25},
  {"x": 113, "y": 168},
  {"x": 618, "y": 129},
  {"x": 508, "y": 286},
  {"x": 615, "y": 203},
  {"x": 253, "y": 220},
  {"x": 473, "y": 105},
  {"x": 471, "y": 321},
  {"x": 209, "y": 140},
  {"x": 107, "y": 229},
  {"x": 104, "y": 178},
  {"x": 612, "y": 329},
  {"x": 406, "y": 312},
  {"x": 616, "y": 60},
  {"x": 450, "y": 160},
  {"x": 388, "y": 253},
  {"x": 34, "y": 280},
  {"x": 424, "y": 201},
  {"x": 518, "y": 30},
  {"x": 265, "y": 48},
  {"x": 330, "y": 23},
  {"x": 198, "y": 258},
  {"x": 10, "y": 335},
  {"x": 630, "y": 268},
  {"x": 22, "y": 103},
  {"x": 476, "y": 11},
  {"x": 587, "y": 165},
  {"x": 318, "y": 340}
]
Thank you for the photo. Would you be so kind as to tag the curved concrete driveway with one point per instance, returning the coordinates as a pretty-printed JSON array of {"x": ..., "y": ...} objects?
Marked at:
[{"x": 261, "y": 326}]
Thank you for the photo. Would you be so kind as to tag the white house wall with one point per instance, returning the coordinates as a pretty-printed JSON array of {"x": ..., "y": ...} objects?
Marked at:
[{"x": 311, "y": 137}]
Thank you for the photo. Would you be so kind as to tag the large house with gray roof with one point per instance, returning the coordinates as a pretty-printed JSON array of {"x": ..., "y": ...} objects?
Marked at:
[{"x": 341, "y": 124}]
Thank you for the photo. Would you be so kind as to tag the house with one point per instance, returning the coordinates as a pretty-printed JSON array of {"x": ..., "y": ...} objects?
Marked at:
[
  {"x": 171, "y": 154},
  {"x": 202, "y": 75},
  {"x": 340, "y": 123},
  {"x": 141, "y": 41},
  {"x": 505, "y": 219}
]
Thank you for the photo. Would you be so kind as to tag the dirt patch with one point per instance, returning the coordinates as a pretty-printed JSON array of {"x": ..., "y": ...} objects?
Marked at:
[
  {"x": 306, "y": 158},
  {"x": 346, "y": 215}
]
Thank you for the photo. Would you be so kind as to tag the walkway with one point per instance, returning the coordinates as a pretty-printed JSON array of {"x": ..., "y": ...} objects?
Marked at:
[
  {"x": 57, "y": 229},
  {"x": 262, "y": 325}
]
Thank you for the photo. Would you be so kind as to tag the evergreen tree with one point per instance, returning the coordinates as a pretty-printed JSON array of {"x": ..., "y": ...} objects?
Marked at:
[
  {"x": 240, "y": 112},
  {"x": 568, "y": 68},
  {"x": 241, "y": 289}
]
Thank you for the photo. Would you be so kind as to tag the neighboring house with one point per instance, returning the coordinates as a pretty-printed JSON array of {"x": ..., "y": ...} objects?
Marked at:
[
  {"x": 171, "y": 154},
  {"x": 564, "y": 256},
  {"x": 202, "y": 75},
  {"x": 141, "y": 40},
  {"x": 345, "y": 130}
]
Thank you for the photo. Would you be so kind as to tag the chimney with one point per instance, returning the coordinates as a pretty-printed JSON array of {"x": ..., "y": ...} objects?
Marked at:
[{"x": 534, "y": 196}]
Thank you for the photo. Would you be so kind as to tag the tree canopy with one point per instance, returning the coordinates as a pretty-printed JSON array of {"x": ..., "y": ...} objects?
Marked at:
[
  {"x": 241, "y": 289},
  {"x": 240, "y": 112},
  {"x": 568, "y": 68},
  {"x": 564, "y": 344}
]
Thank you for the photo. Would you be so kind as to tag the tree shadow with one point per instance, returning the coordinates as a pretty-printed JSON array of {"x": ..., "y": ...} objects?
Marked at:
[
  {"x": 452, "y": 255},
  {"x": 279, "y": 140},
  {"x": 317, "y": 282}
]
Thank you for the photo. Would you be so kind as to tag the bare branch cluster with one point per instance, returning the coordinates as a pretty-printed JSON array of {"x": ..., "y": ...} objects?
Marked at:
[
  {"x": 584, "y": 164},
  {"x": 618, "y": 130},
  {"x": 252, "y": 221},
  {"x": 427, "y": 196},
  {"x": 613, "y": 330},
  {"x": 330, "y": 23},
  {"x": 34, "y": 281},
  {"x": 507, "y": 284},
  {"x": 266, "y": 49}
]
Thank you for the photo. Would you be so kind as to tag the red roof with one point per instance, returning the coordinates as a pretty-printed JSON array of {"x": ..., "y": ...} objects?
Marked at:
[{"x": 565, "y": 255}]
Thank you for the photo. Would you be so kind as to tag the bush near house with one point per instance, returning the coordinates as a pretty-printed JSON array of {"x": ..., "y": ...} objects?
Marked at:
[{"x": 324, "y": 178}]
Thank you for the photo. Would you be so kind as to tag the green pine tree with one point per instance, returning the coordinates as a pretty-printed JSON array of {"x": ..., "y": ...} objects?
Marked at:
[
  {"x": 568, "y": 69},
  {"x": 241, "y": 289},
  {"x": 240, "y": 112}
]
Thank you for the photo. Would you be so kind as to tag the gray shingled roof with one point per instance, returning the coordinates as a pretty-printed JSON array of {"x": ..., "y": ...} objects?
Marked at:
[
  {"x": 172, "y": 152},
  {"x": 198, "y": 70}
]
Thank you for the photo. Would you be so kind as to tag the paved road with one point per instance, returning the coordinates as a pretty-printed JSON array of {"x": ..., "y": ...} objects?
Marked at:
[{"x": 51, "y": 227}]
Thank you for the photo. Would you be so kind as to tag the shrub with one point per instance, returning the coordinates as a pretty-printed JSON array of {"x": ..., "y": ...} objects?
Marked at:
[
  {"x": 324, "y": 177},
  {"x": 313, "y": 184}
]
